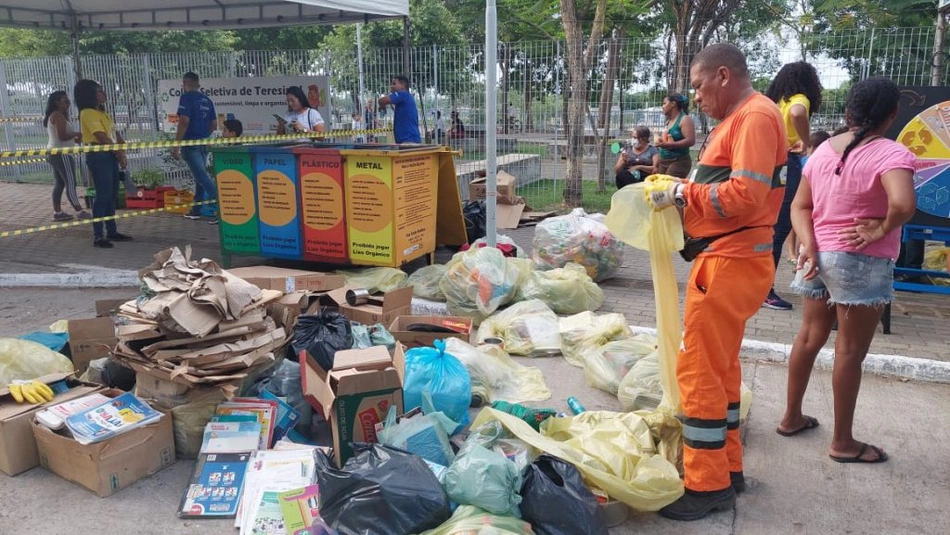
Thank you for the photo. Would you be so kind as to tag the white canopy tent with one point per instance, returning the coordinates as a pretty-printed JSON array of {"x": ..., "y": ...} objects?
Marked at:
[{"x": 85, "y": 15}]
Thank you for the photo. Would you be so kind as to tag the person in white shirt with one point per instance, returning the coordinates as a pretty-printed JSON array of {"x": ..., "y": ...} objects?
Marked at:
[
  {"x": 357, "y": 125},
  {"x": 300, "y": 117},
  {"x": 61, "y": 135},
  {"x": 439, "y": 134}
]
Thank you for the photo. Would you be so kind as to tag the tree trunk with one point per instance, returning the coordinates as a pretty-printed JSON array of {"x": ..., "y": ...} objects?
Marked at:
[
  {"x": 606, "y": 105},
  {"x": 577, "y": 65}
]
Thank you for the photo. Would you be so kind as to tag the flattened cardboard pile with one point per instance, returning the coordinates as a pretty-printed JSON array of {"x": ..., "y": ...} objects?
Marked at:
[{"x": 202, "y": 327}]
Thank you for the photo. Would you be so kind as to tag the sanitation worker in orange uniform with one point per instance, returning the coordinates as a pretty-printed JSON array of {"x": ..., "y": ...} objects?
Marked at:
[{"x": 732, "y": 199}]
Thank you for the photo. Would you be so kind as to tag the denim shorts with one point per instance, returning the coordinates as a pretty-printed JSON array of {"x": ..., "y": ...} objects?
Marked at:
[{"x": 849, "y": 279}]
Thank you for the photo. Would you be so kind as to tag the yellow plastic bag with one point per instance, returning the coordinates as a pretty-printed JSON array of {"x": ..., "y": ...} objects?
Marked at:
[
  {"x": 23, "y": 359},
  {"x": 478, "y": 282},
  {"x": 379, "y": 279},
  {"x": 470, "y": 520},
  {"x": 634, "y": 222},
  {"x": 425, "y": 282},
  {"x": 528, "y": 328},
  {"x": 615, "y": 452},
  {"x": 496, "y": 376},
  {"x": 567, "y": 290},
  {"x": 585, "y": 333},
  {"x": 938, "y": 260},
  {"x": 606, "y": 367},
  {"x": 640, "y": 389}
]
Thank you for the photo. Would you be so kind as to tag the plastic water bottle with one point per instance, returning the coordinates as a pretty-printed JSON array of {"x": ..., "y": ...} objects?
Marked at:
[{"x": 575, "y": 405}]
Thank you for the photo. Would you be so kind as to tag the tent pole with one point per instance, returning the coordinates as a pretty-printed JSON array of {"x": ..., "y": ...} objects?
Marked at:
[
  {"x": 491, "y": 112},
  {"x": 77, "y": 60},
  {"x": 405, "y": 47}
]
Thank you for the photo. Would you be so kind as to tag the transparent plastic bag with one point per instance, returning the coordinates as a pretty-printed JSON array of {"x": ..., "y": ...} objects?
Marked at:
[
  {"x": 501, "y": 239},
  {"x": 567, "y": 290},
  {"x": 583, "y": 334},
  {"x": 496, "y": 376},
  {"x": 485, "y": 479},
  {"x": 606, "y": 367},
  {"x": 641, "y": 388},
  {"x": 379, "y": 335},
  {"x": 425, "y": 282},
  {"x": 493, "y": 436},
  {"x": 285, "y": 383},
  {"x": 425, "y": 435},
  {"x": 478, "y": 282},
  {"x": 580, "y": 238},
  {"x": 528, "y": 328},
  {"x": 360, "y": 336},
  {"x": 378, "y": 279},
  {"x": 470, "y": 520},
  {"x": 23, "y": 359},
  {"x": 624, "y": 454},
  {"x": 444, "y": 377}
]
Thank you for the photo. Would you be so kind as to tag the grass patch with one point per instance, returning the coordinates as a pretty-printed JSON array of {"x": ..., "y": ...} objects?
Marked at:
[{"x": 545, "y": 195}]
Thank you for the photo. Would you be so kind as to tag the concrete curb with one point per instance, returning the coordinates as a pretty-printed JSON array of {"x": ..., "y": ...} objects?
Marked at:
[
  {"x": 106, "y": 279},
  {"x": 897, "y": 366}
]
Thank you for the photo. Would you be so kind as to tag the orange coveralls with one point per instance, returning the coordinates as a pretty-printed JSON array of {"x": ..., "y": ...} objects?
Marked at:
[{"x": 736, "y": 185}]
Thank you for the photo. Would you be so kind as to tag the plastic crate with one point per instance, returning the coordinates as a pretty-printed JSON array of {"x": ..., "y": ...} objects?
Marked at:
[{"x": 179, "y": 201}]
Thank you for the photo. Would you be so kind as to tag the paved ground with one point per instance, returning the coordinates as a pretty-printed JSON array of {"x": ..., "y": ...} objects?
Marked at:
[
  {"x": 798, "y": 488},
  {"x": 921, "y": 322}
]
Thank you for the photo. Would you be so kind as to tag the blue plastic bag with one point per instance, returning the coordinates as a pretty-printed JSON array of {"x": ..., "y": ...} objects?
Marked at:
[
  {"x": 443, "y": 376},
  {"x": 425, "y": 435}
]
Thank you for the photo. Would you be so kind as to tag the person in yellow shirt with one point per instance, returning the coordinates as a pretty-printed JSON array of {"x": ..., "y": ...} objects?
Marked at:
[
  {"x": 797, "y": 91},
  {"x": 98, "y": 128}
]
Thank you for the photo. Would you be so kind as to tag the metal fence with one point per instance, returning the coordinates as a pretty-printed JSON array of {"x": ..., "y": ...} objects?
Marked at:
[{"x": 627, "y": 81}]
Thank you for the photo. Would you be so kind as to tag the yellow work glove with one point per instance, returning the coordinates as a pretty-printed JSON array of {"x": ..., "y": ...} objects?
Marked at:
[
  {"x": 33, "y": 392},
  {"x": 660, "y": 193}
]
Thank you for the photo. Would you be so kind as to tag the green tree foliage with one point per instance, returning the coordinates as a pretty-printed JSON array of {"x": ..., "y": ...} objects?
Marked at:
[{"x": 876, "y": 37}]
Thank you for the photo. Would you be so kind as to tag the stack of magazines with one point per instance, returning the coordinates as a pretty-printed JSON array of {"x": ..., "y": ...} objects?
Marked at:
[{"x": 111, "y": 418}]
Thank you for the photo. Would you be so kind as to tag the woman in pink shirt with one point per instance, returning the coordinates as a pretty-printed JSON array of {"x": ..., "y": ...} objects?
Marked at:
[{"x": 857, "y": 192}]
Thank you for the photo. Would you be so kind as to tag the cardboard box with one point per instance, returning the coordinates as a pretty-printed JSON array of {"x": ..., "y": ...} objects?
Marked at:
[
  {"x": 507, "y": 184},
  {"x": 356, "y": 394},
  {"x": 17, "y": 446},
  {"x": 395, "y": 303},
  {"x": 288, "y": 280},
  {"x": 90, "y": 339},
  {"x": 111, "y": 465},
  {"x": 400, "y": 329},
  {"x": 109, "y": 307}
]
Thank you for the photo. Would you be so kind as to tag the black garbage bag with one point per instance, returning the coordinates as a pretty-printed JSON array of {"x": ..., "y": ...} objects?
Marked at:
[
  {"x": 474, "y": 213},
  {"x": 322, "y": 335},
  {"x": 381, "y": 491},
  {"x": 556, "y": 502}
]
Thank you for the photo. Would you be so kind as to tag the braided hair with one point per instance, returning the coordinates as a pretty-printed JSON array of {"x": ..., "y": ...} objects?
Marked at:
[
  {"x": 797, "y": 78},
  {"x": 870, "y": 104}
]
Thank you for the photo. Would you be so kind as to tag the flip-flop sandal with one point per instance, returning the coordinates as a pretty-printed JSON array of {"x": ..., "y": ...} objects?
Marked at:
[
  {"x": 881, "y": 456},
  {"x": 810, "y": 423}
]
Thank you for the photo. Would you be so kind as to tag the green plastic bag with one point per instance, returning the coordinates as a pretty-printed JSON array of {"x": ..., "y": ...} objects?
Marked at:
[
  {"x": 528, "y": 328},
  {"x": 485, "y": 479},
  {"x": 425, "y": 435},
  {"x": 567, "y": 290},
  {"x": 23, "y": 359},
  {"x": 470, "y": 520},
  {"x": 606, "y": 367},
  {"x": 585, "y": 333},
  {"x": 425, "y": 282},
  {"x": 379, "y": 279}
]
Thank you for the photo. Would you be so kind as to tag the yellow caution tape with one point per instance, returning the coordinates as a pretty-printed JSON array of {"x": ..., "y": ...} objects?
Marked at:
[
  {"x": 23, "y": 162},
  {"x": 24, "y": 119},
  {"x": 243, "y": 140},
  {"x": 80, "y": 222}
]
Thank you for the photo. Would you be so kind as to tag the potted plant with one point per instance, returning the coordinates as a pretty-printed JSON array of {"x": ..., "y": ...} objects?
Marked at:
[{"x": 150, "y": 189}]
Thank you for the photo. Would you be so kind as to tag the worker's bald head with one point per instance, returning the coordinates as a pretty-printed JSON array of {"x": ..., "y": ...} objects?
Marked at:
[
  {"x": 722, "y": 55},
  {"x": 720, "y": 79}
]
